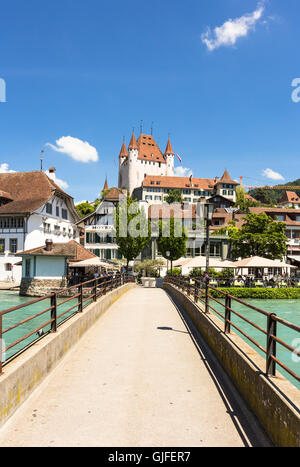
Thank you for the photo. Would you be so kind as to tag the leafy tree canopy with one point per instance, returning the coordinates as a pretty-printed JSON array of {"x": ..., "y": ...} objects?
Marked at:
[
  {"x": 84, "y": 209},
  {"x": 172, "y": 239},
  {"x": 260, "y": 235},
  {"x": 174, "y": 196}
]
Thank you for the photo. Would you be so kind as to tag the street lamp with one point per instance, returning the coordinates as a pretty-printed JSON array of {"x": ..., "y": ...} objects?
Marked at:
[
  {"x": 168, "y": 254},
  {"x": 208, "y": 215}
]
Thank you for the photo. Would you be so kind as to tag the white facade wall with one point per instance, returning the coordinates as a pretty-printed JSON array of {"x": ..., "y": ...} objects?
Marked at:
[
  {"x": 132, "y": 171},
  {"x": 35, "y": 235}
]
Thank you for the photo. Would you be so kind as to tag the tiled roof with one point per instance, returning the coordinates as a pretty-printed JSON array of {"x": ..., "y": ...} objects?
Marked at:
[
  {"x": 207, "y": 184},
  {"x": 71, "y": 249},
  {"x": 169, "y": 149},
  {"x": 123, "y": 152},
  {"x": 133, "y": 143},
  {"x": 113, "y": 194},
  {"x": 28, "y": 190},
  {"x": 149, "y": 150},
  {"x": 227, "y": 179},
  {"x": 167, "y": 211},
  {"x": 290, "y": 197},
  {"x": 105, "y": 185}
]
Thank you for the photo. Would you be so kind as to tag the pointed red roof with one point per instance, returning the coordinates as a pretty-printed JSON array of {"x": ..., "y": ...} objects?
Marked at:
[
  {"x": 169, "y": 149},
  {"x": 227, "y": 179},
  {"x": 123, "y": 152},
  {"x": 133, "y": 143},
  {"x": 105, "y": 185}
]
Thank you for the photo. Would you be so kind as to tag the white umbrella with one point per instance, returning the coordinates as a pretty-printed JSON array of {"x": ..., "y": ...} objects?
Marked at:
[
  {"x": 259, "y": 262},
  {"x": 93, "y": 262}
]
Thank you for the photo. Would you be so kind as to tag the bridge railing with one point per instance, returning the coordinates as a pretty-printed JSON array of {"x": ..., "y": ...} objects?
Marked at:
[
  {"x": 56, "y": 314},
  {"x": 201, "y": 291}
]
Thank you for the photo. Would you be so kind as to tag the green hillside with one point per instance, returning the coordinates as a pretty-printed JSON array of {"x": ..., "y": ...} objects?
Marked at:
[{"x": 272, "y": 196}]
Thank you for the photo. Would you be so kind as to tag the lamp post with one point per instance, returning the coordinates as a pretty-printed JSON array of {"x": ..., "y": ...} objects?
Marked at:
[
  {"x": 208, "y": 214},
  {"x": 168, "y": 254}
]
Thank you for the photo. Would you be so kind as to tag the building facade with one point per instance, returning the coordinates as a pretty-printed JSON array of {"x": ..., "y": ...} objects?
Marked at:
[
  {"x": 143, "y": 158},
  {"x": 32, "y": 209}
]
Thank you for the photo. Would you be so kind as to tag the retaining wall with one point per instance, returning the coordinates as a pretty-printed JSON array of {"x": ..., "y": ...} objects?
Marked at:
[
  {"x": 23, "y": 374},
  {"x": 275, "y": 401}
]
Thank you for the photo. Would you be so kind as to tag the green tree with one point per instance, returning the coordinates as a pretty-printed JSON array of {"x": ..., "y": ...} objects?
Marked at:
[
  {"x": 172, "y": 239},
  {"x": 242, "y": 202},
  {"x": 174, "y": 196},
  {"x": 84, "y": 209},
  {"x": 260, "y": 235},
  {"x": 132, "y": 229}
]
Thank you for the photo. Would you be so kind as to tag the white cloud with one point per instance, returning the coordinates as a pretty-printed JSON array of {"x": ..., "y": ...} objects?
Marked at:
[
  {"x": 232, "y": 30},
  {"x": 78, "y": 150},
  {"x": 61, "y": 183},
  {"x": 269, "y": 173},
  {"x": 4, "y": 169},
  {"x": 182, "y": 172}
]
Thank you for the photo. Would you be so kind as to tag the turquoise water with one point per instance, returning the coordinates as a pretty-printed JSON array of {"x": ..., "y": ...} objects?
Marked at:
[
  {"x": 11, "y": 299},
  {"x": 286, "y": 309}
]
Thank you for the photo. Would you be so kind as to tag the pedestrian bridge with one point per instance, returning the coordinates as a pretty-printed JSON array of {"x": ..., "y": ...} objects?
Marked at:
[{"x": 141, "y": 375}]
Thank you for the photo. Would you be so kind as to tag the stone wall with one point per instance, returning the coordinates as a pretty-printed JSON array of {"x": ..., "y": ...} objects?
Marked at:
[{"x": 39, "y": 287}]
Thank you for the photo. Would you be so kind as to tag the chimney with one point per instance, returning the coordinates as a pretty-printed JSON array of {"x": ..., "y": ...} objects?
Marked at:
[
  {"x": 52, "y": 175},
  {"x": 49, "y": 245}
]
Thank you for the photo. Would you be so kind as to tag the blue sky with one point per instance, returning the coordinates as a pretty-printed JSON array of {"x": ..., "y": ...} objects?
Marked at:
[{"x": 88, "y": 71}]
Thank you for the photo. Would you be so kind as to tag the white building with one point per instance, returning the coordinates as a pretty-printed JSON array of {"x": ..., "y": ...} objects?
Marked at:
[
  {"x": 33, "y": 209},
  {"x": 143, "y": 157}
]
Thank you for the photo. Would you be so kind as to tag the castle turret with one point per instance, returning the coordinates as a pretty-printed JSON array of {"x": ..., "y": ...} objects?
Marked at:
[
  {"x": 169, "y": 157},
  {"x": 133, "y": 153}
]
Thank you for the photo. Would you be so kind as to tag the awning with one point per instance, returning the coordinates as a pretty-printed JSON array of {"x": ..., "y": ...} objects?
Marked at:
[
  {"x": 259, "y": 262},
  {"x": 295, "y": 258},
  {"x": 200, "y": 262},
  {"x": 93, "y": 262}
]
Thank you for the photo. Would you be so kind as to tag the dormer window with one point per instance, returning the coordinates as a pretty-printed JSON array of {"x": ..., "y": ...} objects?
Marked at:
[{"x": 5, "y": 198}]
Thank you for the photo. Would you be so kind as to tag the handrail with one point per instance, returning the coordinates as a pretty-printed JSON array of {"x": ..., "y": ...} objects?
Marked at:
[
  {"x": 97, "y": 287},
  {"x": 202, "y": 291}
]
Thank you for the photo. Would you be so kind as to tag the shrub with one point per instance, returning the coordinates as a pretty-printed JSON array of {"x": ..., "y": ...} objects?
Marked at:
[
  {"x": 259, "y": 293},
  {"x": 175, "y": 272}
]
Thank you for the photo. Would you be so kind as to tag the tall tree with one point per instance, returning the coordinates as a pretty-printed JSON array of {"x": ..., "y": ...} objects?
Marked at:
[
  {"x": 132, "y": 229},
  {"x": 172, "y": 239},
  {"x": 260, "y": 235},
  {"x": 84, "y": 209}
]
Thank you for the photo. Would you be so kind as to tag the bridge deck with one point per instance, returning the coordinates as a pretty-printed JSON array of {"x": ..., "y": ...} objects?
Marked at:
[{"x": 136, "y": 378}]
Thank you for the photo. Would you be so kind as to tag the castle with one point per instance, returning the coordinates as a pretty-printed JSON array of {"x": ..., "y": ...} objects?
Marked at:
[{"x": 143, "y": 158}]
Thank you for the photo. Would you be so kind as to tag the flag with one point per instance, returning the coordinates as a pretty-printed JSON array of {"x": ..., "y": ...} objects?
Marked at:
[{"x": 179, "y": 158}]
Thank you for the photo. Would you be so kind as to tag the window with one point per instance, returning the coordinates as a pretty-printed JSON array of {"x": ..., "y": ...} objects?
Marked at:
[
  {"x": 2, "y": 246},
  {"x": 64, "y": 213},
  {"x": 48, "y": 208},
  {"x": 7, "y": 267},
  {"x": 13, "y": 245},
  {"x": 47, "y": 228},
  {"x": 57, "y": 211},
  {"x": 230, "y": 192},
  {"x": 148, "y": 197},
  {"x": 224, "y": 192},
  {"x": 157, "y": 198},
  {"x": 27, "y": 267},
  {"x": 281, "y": 218},
  {"x": 297, "y": 218}
]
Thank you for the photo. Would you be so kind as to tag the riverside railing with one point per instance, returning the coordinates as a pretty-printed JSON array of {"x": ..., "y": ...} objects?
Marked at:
[
  {"x": 202, "y": 292},
  {"x": 85, "y": 293}
]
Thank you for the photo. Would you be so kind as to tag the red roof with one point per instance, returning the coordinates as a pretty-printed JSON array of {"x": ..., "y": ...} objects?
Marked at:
[
  {"x": 149, "y": 150},
  {"x": 133, "y": 143},
  {"x": 290, "y": 197},
  {"x": 169, "y": 149},
  {"x": 123, "y": 152},
  {"x": 227, "y": 179},
  {"x": 206, "y": 184}
]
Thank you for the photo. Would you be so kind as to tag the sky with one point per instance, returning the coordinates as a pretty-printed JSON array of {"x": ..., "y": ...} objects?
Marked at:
[{"x": 219, "y": 76}]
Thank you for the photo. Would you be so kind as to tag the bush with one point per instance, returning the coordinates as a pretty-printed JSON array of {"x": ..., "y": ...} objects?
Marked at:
[
  {"x": 259, "y": 293},
  {"x": 175, "y": 272}
]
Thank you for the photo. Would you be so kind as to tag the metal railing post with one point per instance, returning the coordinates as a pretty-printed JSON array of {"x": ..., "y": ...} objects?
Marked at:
[
  {"x": 196, "y": 293},
  {"x": 227, "y": 314},
  {"x": 271, "y": 345},
  {"x": 54, "y": 312},
  {"x": 95, "y": 290},
  {"x": 206, "y": 297},
  {"x": 80, "y": 298}
]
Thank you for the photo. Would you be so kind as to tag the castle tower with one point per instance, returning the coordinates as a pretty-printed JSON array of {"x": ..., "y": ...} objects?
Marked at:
[
  {"x": 133, "y": 154},
  {"x": 169, "y": 157}
]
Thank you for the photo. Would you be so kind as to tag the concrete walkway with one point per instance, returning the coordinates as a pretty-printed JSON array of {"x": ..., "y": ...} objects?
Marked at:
[{"x": 136, "y": 378}]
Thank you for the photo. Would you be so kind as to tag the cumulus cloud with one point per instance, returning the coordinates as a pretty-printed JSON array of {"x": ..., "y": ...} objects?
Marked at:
[
  {"x": 269, "y": 173},
  {"x": 232, "y": 29},
  {"x": 61, "y": 183},
  {"x": 4, "y": 169},
  {"x": 182, "y": 172},
  {"x": 75, "y": 148}
]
